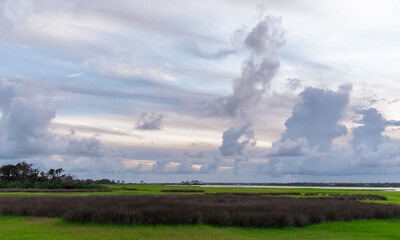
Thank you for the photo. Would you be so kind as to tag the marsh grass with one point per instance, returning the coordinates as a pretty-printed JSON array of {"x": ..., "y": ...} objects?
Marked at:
[{"x": 220, "y": 210}]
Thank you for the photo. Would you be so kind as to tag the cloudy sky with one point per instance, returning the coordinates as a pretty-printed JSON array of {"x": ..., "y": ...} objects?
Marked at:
[{"x": 219, "y": 91}]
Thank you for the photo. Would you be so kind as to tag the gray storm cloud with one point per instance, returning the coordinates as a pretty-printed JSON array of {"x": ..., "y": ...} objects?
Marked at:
[
  {"x": 26, "y": 115},
  {"x": 257, "y": 71},
  {"x": 149, "y": 121},
  {"x": 212, "y": 166},
  {"x": 234, "y": 142},
  {"x": 370, "y": 133},
  {"x": 315, "y": 118},
  {"x": 289, "y": 148},
  {"x": 305, "y": 146},
  {"x": 85, "y": 147},
  {"x": 236, "y": 139}
]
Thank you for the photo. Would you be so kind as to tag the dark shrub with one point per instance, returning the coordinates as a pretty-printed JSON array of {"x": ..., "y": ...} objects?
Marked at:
[
  {"x": 130, "y": 189},
  {"x": 182, "y": 190},
  {"x": 311, "y": 194}
]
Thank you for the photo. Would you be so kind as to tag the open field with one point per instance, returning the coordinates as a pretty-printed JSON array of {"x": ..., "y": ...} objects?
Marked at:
[
  {"x": 56, "y": 228},
  {"x": 28, "y": 228},
  {"x": 392, "y": 196}
]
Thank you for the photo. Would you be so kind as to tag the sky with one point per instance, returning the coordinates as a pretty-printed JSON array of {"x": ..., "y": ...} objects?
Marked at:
[{"x": 214, "y": 90}]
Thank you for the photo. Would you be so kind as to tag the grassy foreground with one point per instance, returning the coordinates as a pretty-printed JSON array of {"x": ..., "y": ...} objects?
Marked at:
[
  {"x": 18, "y": 228},
  {"x": 55, "y": 228}
]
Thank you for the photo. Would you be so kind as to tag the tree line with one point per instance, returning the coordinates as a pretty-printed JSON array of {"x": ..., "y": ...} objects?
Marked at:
[{"x": 24, "y": 175}]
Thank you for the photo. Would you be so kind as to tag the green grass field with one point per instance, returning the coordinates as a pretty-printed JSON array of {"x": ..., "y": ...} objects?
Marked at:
[
  {"x": 47, "y": 228},
  {"x": 12, "y": 227}
]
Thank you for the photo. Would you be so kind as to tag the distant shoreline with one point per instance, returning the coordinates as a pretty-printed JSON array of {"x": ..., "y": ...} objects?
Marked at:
[{"x": 314, "y": 187}]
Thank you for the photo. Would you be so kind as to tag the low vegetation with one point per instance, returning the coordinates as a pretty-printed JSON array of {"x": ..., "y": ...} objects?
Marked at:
[
  {"x": 336, "y": 196},
  {"x": 359, "y": 196},
  {"x": 182, "y": 190},
  {"x": 253, "y": 211},
  {"x": 244, "y": 194},
  {"x": 310, "y": 194},
  {"x": 129, "y": 189}
]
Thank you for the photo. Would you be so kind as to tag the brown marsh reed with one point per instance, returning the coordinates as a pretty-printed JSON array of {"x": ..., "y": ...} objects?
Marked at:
[{"x": 222, "y": 210}]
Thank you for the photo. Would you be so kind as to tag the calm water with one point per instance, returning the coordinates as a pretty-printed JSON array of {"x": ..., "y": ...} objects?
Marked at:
[{"x": 314, "y": 187}]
